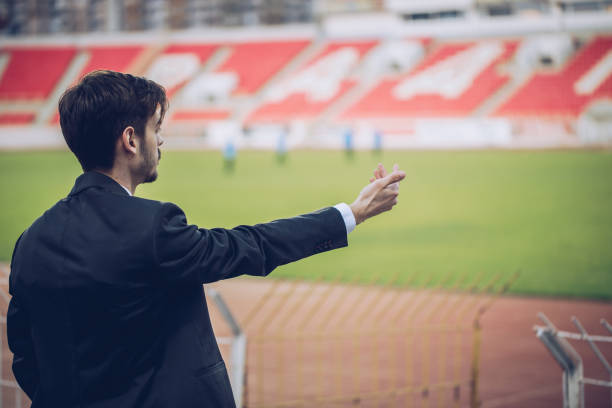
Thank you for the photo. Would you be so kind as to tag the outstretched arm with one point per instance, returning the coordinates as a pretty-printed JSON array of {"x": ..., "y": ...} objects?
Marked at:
[{"x": 186, "y": 253}]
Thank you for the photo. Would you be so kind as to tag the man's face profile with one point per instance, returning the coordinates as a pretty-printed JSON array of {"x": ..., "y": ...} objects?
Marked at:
[{"x": 149, "y": 148}]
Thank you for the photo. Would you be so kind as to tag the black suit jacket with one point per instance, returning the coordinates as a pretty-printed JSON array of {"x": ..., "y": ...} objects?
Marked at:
[{"x": 108, "y": 308}]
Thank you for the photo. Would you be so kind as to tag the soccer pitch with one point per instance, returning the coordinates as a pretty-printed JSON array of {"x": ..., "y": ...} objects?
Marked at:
[{"x": 462, "y": 216}]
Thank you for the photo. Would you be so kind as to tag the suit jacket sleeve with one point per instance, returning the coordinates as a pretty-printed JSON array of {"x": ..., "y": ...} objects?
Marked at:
[
  {"x": 19, "y": 336},
  {"x": 188, "y": 254}
]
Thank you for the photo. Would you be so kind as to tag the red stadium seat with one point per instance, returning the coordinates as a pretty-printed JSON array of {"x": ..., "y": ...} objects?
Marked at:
[
  {"x": 252, "y": 64},
  {"x": 362, "y": 47},
  {"x": 296, "y": 106},
  {"x": 453, "y": 81},
  {"x": 257, "y": 62},
  {"x": 297, "y": 101},
  {"x": 113, "y": 58},
  {"x": 202, "y": 115},
  {"x": 202, "y": 51},
  {"x": 585, "y": 78},
  {"x": 16, "y": 118},
  {"x": 33, "y": 72}
]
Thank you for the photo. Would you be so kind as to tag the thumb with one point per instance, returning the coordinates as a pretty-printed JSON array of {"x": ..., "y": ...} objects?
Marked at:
[{"x": 392, "y": 178}]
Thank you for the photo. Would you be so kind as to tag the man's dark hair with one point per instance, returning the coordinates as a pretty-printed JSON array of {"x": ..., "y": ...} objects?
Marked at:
[{"x": 94, "y": 113}]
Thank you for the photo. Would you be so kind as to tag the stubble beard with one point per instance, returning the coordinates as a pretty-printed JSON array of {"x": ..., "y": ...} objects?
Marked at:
[{"x": 149, "y": 167}]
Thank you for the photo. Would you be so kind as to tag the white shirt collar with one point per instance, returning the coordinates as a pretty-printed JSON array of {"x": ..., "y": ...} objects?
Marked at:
[{"x": 125, "y": 188}]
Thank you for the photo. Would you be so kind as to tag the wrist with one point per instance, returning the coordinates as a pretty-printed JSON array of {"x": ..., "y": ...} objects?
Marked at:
[{"x": 356, "y": 213}]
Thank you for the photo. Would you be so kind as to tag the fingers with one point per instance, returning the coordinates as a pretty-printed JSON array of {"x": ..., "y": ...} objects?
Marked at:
[
  {"x": 377, "y": 173},
  {"x": 395, "y": 186},
  {"x": 380, "y": 171},
  {"x": 380, "y": 175},
  {"x": 383, "y": 171},
  {"x": 394, "y": 177}
]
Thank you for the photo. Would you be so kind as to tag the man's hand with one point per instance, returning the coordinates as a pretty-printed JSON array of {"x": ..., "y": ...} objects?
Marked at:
[{"x": 378, "y": 196}]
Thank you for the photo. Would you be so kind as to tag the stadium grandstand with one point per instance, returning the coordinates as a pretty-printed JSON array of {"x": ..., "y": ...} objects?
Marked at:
[
  {"x": 423, "y": 74},
  {"x": 405, "y": 316}
]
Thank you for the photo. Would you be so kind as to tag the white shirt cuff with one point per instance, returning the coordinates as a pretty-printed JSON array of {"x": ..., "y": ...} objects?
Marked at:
[{"x": 347, "y": 216}]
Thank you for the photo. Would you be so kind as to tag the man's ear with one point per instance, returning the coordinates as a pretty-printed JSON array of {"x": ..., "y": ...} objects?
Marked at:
[{"x": 128, "y": 140}]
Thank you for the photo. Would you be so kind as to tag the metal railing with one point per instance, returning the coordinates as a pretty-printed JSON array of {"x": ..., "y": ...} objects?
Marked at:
[
  {"x": 329, "y": 343},
  {"x": 237, "y": 343},
  {"x": 571, "y": 362}
]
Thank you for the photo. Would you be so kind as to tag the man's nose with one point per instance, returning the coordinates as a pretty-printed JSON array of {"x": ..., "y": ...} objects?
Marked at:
[{"x": 160, "y": 141}]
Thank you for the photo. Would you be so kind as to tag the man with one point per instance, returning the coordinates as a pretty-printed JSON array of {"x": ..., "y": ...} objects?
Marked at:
[{"x": 108, "y": 308}]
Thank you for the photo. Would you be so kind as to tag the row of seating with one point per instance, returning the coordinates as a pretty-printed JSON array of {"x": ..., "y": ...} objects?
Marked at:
[
  {"x": 440, "y": 79},
  {"x": 454, "y": 80},
  {"x": 585, "y": 78},
  {"x": 32, "y": 73},
  {"x": 317, "y": 84}
]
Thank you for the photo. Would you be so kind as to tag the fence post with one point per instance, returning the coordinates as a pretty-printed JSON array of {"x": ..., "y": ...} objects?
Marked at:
[
  {"x": 568, "y": 359},
  {"x": 238, "y": 358},
  {"x": 238, "y": 347},
  {"x": 605, "y": 324},
  {"x": 475, "y": 370}
]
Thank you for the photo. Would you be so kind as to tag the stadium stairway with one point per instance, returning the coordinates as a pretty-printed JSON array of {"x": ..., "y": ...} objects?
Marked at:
[
  {"x": 123, "y": 58},
  {"x": 518, "y": 78},
  {"x": 350, "y": 97},
  {"x": 49, "y": 110},
  {"x": 248, "y": 106},
  {"x": 366, "y": 83},
  {"x": 186, "y": 113},
  {"x": 143, "y": 60},
  {"x": 172, "y": 66}
]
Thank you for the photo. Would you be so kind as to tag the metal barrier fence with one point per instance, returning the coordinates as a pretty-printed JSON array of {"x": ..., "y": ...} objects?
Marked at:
[
  {"x": 337, "y": 344},
  {"x": 571, "y": 362},
  {"x": 237, "y": 344},
  {"x": 332, "y": 344}
]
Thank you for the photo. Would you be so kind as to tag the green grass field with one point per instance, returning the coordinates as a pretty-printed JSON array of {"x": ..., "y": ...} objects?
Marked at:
[{"x": 462, "y": 216}]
